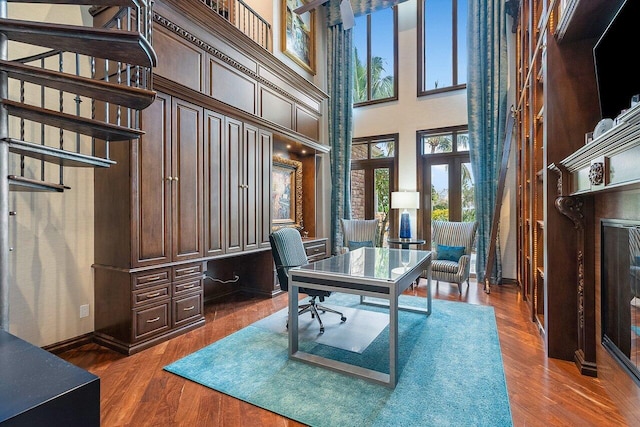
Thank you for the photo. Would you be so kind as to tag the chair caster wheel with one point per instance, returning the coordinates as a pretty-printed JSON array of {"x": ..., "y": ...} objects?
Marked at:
[
  {"x": 322, "y": 330},
  {"x": 343, "y": 319}
]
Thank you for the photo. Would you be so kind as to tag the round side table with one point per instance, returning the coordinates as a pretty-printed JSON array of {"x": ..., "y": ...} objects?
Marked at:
[{"x": 404, "y": 243}]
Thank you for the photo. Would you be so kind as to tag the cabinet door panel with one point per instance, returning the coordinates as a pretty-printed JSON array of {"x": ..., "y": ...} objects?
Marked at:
[
  {"x": 151, "y": 191},
  {"x": 264, "y": 196},
  {"x": 187, "y": 161},
  {"x": 234, "y": 160},
  {"x": 252, "y": 186},
  {"x": 214, "y": 192}
]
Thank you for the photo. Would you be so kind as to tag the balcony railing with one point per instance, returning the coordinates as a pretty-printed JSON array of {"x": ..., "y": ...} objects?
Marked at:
[{"x": 247, "y": 20}]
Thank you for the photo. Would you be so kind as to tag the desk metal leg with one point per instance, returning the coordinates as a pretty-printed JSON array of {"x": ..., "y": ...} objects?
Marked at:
[
  {"x": 393, "y": 341},
  {"x": 293, "y": 319},
  {"x": 429, "y": 297}
]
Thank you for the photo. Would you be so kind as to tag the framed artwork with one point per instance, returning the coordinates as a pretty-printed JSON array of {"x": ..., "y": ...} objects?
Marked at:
[
  {"x": 286, "y": 193},
  {"x": 298, "y": 34}
]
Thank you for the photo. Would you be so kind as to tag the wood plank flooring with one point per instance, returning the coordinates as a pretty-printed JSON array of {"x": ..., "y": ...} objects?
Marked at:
[{"x": 135, "y": 391}]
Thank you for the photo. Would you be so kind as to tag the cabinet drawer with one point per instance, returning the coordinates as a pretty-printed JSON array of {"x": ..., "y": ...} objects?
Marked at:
[
  {"x": 151, "y": 321},
  {"x": 187, "y": 270},
  {"x": 316, "y": 250},
  {"x": 151, "y": 278},
  {"x": 146, "y": 295},
  {"x": 187, "y": 309},
  {"x": 188, "y": 286}
]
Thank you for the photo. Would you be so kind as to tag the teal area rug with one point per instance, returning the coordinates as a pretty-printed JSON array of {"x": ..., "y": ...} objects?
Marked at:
[{"x": 450, "y": 368}]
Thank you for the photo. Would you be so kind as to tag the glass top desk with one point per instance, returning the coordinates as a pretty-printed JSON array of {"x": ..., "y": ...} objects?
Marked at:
[{"x": 381, "y": 273}]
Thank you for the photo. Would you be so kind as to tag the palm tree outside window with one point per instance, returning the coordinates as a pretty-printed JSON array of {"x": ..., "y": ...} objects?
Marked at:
[{"x": 375, "y": 45}]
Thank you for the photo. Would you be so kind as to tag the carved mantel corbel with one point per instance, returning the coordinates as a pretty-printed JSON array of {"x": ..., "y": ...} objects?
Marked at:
[
  {"x": 569, "y": 206},
  {"x": 572, "y": 207}
]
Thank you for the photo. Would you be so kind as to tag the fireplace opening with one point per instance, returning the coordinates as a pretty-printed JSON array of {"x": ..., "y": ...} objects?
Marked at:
[{"x": 620, "y": 311}]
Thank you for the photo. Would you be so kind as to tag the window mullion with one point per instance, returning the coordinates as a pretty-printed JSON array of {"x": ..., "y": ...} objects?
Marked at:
[{"x": 369, "y": 96}]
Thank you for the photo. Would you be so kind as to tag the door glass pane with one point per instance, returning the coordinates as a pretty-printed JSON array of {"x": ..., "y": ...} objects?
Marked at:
[
  {"x": 440, "y": 192},
  {"x": 382, "y": 196},
  {"x": 359, "y": 151},
  {"x": 462, "y": 143},
  {"x": 437, "y": 144},
  {"x": 382, "y": 149},
  {"x": 468, "y": 199},
  {"x": 468, "y": 204},
  {"x": 357, "y": 194}
]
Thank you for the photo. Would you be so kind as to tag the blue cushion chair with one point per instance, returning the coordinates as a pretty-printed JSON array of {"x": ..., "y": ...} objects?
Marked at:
[
  {"x": 359, "y": 233},
  {"x": 452, "y": 245},
  {"x": 288, "y": 252}
]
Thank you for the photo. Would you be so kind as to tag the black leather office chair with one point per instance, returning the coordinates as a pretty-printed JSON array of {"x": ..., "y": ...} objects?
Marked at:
[{"x": 288, "y": 252}]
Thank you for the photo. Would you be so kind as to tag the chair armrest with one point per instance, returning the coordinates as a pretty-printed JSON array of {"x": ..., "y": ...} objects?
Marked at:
[{"x": 464, "y": 264}]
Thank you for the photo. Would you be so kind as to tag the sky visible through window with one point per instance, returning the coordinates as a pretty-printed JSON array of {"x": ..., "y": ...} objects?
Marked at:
[{"x": 438, "y": 34}]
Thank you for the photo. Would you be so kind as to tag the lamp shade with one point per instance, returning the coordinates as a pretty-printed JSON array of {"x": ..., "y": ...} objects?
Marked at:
[{"x": 405, "y": 200}]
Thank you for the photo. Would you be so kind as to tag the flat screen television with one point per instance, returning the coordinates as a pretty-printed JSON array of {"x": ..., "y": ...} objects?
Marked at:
[{"x": 615, "y": 57}]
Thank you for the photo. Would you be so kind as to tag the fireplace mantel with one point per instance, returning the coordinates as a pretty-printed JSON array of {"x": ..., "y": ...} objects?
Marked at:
[{"x": 609, "y": 161}]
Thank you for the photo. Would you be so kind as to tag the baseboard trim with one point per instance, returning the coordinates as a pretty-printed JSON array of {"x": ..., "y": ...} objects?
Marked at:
[{"x": 70, "y": 344}]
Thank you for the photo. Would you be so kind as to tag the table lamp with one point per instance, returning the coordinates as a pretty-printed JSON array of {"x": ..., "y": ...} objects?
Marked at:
[{"x": 405, "y": 200}]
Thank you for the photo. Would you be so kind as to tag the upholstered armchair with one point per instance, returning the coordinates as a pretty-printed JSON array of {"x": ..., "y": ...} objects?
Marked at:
[
  {"x": 359, "y": 233},
  {"x": 452, "y": 245}
]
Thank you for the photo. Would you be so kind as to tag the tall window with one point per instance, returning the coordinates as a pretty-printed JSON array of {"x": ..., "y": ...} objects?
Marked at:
[
  {"x": 442, "y": 45},
  {"x": 375, "y": 45},
  {"x": 445, "y": 175},
  {"x": 373, "y": 174}
]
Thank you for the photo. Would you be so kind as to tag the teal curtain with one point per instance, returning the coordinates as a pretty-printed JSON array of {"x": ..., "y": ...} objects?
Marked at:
[
  {"x": 340, "y": 88},
  {"x": 487, "y": 109}
]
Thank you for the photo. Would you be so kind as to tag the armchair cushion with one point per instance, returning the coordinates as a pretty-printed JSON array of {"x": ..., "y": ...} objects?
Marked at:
[
  {"x": 353, "y": 245},
  {"x": 450, "y": 253}
]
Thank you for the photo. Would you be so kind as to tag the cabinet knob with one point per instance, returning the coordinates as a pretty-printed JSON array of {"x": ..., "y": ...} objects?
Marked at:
[
  {"x": 175, "y": 179},
  {"x": 169, "y": 178}
]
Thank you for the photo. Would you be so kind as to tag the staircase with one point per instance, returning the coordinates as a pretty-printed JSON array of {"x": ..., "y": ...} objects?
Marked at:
[{"x": 85, "y": 87}]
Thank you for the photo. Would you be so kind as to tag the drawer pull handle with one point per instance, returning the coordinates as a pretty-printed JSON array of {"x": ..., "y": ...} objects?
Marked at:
[
  {"x": 153, "y": 320},
  {"x": 153, "y": 295},
  {"x": 152, "y": 278},
  {"x": 316, "y": 250},
  {"x": 189, "y": 308},
  {"x": 189, "y": 271},
  {"x": 188, "y": 286}
]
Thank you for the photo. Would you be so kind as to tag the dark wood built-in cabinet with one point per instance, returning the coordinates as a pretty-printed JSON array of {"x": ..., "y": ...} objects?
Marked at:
[
  {"x": 569, "y": 184},
  {"x": 176, "y": 211},
  {"x": 187, "y": 206}
]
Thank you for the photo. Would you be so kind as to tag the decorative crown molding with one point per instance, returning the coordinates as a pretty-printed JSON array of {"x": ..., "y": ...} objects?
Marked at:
[{"x": 173, "y": 27}]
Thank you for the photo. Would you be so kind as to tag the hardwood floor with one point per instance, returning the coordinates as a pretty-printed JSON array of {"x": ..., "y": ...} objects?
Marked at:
[{"x": 135, "y": 391}]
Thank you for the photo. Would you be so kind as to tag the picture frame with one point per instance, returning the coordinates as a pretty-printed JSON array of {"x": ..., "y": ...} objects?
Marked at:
[
  {"x": 297, "y": 37},
  {"x": 286, "y": 193}
]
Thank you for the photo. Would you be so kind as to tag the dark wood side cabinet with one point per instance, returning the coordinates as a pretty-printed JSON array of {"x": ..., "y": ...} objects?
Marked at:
[
  {"x": 38, "y": 388},
  {"x": 194, "y": 188},
  {"x": 316, "y": 248}
]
